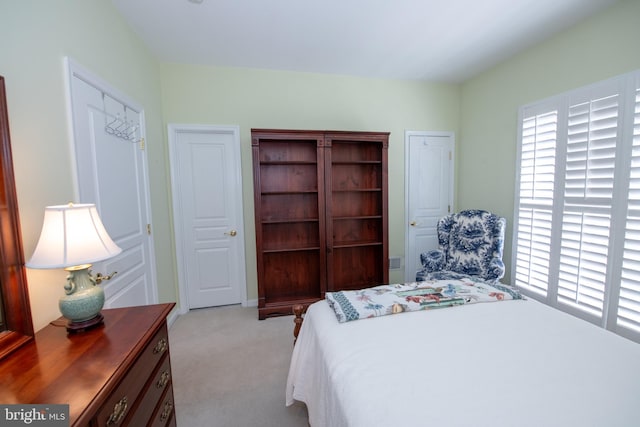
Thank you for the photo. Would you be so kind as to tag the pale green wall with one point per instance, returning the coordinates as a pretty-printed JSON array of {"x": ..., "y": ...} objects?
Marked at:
[
  {"x": 601, "y": 47},
  {"x": 290, "y": 100},
  {"x": 35, "y": 36}
]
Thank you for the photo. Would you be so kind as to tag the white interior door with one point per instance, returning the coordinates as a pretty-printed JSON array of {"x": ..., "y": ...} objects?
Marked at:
[
  {"x": 429, "y": 192},
  {"x": 111, "y": 172},
  {"x": 207, "y": 196}
]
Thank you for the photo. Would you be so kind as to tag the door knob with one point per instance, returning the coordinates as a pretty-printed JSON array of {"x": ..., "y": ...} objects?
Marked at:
[
  {"x": 231, "y": 233},
  {"x": 413, "y": 223}
]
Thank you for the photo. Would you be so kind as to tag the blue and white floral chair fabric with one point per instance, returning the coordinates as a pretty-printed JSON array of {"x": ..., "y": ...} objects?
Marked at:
[{"x": 471, "y": 243}]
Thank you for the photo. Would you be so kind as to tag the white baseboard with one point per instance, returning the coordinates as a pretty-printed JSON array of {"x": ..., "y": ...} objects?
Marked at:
[
  {"x": 250, "y": 303},
  {"x": 173, "y": 316}
]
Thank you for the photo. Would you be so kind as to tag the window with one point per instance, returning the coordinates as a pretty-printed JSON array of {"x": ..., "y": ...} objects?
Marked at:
[{"x": 577, "y": 220}]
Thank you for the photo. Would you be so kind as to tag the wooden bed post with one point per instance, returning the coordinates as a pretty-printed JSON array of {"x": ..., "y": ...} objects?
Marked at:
[{"x": 298, "y": 311}]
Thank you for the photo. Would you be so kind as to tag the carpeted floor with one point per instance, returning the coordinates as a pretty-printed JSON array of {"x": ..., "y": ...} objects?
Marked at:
[{"x": 230, "y": 369}]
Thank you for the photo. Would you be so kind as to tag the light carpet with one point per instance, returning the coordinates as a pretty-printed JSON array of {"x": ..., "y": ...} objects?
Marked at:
[{"x": 230, "y": 369}]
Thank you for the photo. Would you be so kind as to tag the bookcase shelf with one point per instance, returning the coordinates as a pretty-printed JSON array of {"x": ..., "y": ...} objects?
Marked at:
[{"x": 321, "y": 214}]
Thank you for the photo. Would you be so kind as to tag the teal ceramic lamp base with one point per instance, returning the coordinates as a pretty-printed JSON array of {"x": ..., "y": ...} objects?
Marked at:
[{"x": 83, "y": 300}]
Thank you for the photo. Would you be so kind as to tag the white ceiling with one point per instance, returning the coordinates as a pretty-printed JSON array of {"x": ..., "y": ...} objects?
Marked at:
[{"x": 435, "y": 40}]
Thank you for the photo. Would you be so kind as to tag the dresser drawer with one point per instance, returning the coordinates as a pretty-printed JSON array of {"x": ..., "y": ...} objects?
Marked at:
[
  {"x": 151, "y": 395},
  {"x": 123, "y": 399},
  {"x": 164, "y": 414}
]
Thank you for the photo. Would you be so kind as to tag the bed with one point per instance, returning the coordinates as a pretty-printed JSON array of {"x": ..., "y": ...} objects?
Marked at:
[{"x": 505, "y": 363}]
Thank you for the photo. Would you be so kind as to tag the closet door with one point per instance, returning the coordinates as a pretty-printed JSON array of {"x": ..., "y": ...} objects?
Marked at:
[
  {"x": 356, "y": 209},
  {"x": 290, "y": 222},
  {"x": 111, "y": 171}
]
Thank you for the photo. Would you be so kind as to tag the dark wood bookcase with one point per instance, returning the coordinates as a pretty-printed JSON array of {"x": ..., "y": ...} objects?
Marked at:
[{"x": 321, "y": 214}]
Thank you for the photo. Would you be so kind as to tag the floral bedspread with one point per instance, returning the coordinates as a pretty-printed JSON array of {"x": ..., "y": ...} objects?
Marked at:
[{"x": 398, "y": 298}]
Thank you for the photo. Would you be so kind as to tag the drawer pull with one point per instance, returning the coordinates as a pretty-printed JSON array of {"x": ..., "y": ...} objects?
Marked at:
[
  {"x": 164, "y": 379},
  {"x": 168, "y": 407},
  {"x": 119, "y": 410},
  {"x": 161, "y": 346}
]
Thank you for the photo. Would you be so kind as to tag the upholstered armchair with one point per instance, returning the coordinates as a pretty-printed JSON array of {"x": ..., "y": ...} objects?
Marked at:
[{"x": 471, "y": 243}]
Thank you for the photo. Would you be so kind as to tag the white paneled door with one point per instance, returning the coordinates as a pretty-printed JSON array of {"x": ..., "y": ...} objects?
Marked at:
[
  {"x": 207, "y": 197},
  {"x": 429, "y": 192},
  {"x": 111, "y": 171}
]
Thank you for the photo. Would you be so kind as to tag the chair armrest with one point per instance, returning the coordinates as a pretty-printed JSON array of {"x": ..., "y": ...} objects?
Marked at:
[
  {"x": 496, "y": 269},
  {"x": 433, "y": 260}
]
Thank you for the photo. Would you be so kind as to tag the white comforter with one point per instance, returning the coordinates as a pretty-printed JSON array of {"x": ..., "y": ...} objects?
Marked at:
[{"x": 511, "y": 363}]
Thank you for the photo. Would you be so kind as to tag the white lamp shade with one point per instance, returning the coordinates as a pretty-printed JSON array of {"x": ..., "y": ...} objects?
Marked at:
[{"x": 72, "y": 235}]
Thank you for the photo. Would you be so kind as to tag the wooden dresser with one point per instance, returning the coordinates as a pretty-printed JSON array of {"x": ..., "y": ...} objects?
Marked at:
[{"x": 117, "y": 374}]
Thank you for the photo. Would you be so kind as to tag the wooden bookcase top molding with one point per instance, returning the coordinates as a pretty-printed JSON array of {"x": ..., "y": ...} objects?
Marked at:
[{"x": 321, "y": 214}]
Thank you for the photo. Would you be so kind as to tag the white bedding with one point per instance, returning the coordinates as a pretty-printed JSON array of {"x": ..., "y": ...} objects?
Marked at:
[{"x": 511, "y": 363}]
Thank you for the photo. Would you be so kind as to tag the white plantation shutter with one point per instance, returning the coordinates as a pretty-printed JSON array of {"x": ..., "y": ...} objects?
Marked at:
[
  {"x": 537, "y": 168},
  {"x": 532, "y": 250},
  {"x": 591, "y": 151},
  {"x": 588, "y": 193},
  {"x": 583, "y": 260},
  {"x": 575, "y": 177},
  {"x": 629, "y": 300}
]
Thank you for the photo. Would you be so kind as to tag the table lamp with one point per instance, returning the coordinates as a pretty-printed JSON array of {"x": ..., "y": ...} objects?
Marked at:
[{"x": 72, "y": 238}]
